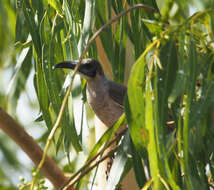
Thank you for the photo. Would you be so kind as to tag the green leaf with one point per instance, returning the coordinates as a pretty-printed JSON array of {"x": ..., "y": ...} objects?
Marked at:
[
  {"x": 56, "y": 5},
  {"x": 150, "y": 126},
  {"x": 42, "y": 93},
  {"x": 118, "y": 65},
  {"x": 106, "y": 37},
  {"x": 71, "y": 50},
  {"x": 135, "y": 106},
  {"x": 192, "y": 63},
  {"x": 87, "y": 24},
  {"x": 20, "y": 76},
  {"x": 32, "y": 26},
  {"x": 138, "y": 167},
  {"x": 154, "y": 26},
  {"x": 181, "y": 75},
  {"x": 167, "y": 77},
  {"x": 21, "y": 31},
  {"x": 70, "y": 129},
  {"x": 140, "y": 33}
]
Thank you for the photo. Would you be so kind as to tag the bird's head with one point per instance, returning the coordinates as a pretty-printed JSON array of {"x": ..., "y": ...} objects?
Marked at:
[{"x": 89, "y": 68}]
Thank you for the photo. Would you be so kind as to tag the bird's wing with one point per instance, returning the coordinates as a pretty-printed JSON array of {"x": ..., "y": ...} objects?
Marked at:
[{"x": 117, "y": 92}]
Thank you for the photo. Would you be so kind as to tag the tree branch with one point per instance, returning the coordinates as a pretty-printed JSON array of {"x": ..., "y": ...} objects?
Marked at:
[{"x": 16, "y": 132}]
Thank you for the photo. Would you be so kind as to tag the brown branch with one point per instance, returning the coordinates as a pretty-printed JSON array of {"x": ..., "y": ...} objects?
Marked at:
[{"x": 17, "y": 133}]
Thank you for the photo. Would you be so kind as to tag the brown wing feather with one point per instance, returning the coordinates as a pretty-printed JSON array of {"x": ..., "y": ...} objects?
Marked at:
[{"x": 117, "y": 92}]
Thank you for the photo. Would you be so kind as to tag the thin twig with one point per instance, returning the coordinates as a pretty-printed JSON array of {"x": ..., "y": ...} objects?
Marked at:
[
  {"x": 92, "y": 167},
  {"x": 112, "y": 21},
  {"x": 52, "y": 134},
  {"x": 93, "y": 158}
]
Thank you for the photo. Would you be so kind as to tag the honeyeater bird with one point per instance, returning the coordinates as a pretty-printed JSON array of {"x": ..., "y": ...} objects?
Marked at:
[{"x": 103, "y": 95}]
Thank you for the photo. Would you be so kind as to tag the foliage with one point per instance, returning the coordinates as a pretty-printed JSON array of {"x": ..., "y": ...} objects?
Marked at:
[{"x": 170, "y": 86}]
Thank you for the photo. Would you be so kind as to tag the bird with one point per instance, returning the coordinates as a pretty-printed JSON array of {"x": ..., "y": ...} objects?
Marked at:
[{"x": 103, "y": 95}]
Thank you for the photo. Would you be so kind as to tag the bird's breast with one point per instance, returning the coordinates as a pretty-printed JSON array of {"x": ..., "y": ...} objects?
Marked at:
[{"x": 106, "y": 109}]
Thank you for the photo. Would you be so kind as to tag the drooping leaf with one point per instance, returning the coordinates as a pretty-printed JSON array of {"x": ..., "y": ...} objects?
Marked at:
[{"x": 135, "y": 106}]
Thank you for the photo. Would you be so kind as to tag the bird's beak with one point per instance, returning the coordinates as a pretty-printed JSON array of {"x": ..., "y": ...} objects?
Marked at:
[
  {"x": 83, "y": 70},
  {"x": 66, "y": 64}
]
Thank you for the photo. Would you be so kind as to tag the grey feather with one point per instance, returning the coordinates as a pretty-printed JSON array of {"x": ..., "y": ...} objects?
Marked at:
[{"x": 117, "y": 92}]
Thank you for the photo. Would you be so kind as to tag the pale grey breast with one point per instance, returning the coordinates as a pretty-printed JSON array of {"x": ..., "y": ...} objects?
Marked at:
[{"x": 105, "y": 107}]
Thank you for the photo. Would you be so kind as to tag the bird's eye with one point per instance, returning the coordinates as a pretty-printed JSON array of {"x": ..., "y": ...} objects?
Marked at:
[
  {"x": 88, "y": 66},
  {"x": 88, "y": 69}
]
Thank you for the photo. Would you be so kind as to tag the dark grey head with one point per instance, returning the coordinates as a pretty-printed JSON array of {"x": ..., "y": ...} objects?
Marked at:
[{"x": 89, "y": 68}]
